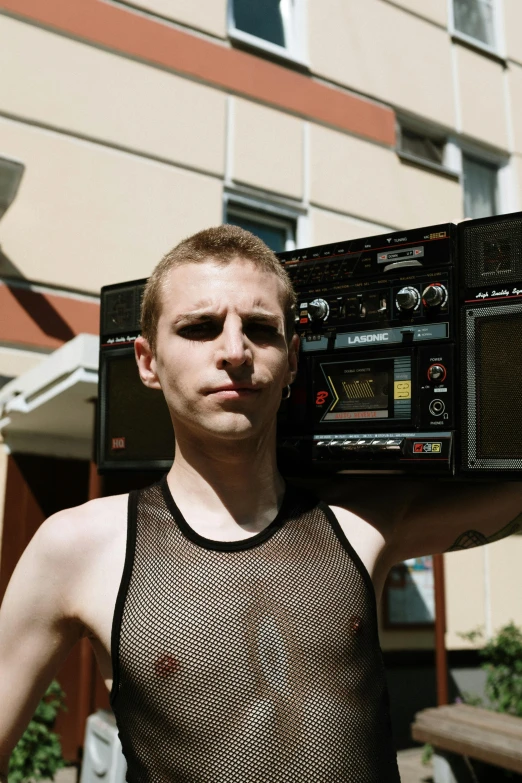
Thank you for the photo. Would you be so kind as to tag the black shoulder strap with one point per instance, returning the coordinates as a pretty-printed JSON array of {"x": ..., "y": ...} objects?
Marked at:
[{"x": 132, "y": 514}]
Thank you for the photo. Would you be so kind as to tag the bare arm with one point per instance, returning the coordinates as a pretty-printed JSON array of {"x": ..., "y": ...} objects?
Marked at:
[
  {"x": 36, "y": 631},
  {"x": 451, "y": 516},
  {"x": 423, "y": 517}
]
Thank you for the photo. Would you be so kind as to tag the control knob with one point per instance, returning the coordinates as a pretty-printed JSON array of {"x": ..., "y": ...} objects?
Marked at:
[
  {"x": 434, "y": 295},
  {"x": 318, "y": 310},
  {"x": 436, "y": 373},
  {"x": 408, "y": 298}
]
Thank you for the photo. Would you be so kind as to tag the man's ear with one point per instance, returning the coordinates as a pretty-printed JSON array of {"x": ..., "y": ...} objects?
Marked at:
[
  {"x": 146, "y": 363},
  {"x": 293, "y": 357}
]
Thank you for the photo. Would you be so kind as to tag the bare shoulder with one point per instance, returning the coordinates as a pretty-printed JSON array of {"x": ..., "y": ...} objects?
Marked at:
[
  {"x": 79, "y": 537},
  {"x": 368, "y": 510},
  {"x": 376, "y": 501},
  {"x": 84, "y": 525}
]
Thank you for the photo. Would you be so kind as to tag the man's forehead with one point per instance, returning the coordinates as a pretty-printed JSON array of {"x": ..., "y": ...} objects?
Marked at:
[
  {"x": 208, "y": 303},
  {"x": 222, "y": 289}
]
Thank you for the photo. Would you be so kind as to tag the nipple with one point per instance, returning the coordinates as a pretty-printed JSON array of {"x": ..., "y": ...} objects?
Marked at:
[{"x": 166, "y": 664}]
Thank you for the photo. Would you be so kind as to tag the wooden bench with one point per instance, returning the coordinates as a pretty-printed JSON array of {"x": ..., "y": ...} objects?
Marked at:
[{"x": 473, "y": 732}]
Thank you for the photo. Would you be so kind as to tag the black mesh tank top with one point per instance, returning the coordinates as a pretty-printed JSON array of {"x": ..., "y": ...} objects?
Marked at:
[{"x": 252, "y": 661}]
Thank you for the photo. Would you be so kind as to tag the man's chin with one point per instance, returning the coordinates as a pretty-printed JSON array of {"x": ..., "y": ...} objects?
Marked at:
[{"x": 232, "y": 427}]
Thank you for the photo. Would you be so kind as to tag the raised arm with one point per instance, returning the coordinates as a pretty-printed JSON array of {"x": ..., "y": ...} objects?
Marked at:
[
  {"x": 446, "y": 516},
  {"x": 36, "y": 631},
  {"x": 424, "y": 517}
]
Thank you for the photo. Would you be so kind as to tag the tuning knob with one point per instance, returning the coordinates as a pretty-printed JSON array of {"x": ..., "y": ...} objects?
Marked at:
[
  {"x": 434, "y": 295},
  {"x": 318, "y": 310},
  {"x": 408, "y": 298}
]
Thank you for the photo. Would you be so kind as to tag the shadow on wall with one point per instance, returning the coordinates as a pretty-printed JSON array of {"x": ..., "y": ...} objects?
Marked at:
[
  {"x": 8, "y": 269},
  {"x": 37, "y": 307}
]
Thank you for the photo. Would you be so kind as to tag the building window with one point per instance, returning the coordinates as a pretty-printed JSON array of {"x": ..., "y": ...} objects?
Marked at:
[
  {"x": 274, "y": 25},
  {"x": 263, "y": 19},
  {"x": 475, "y": 19},
  {"x": 278, "y": 232},
  {"x": 421, "y": 147},
  {"x": 480, "y": 187}
]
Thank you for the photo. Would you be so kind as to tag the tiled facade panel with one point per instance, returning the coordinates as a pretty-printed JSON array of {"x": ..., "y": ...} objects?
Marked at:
[
  {"x": 370, "y": 182},
  {"x": 515, "y": 95},
  {"x": 268, "y": 148},
  {"x": 504, "y": 567},
  {"x": 380, "y": 50},
  {"x": 434, "y": 10},
  {"x": 464, "y": 583},
  {"x": 331, "y": 227},
  {"x": 79, "y": 88},
  {"x": 512, "y": 27},
  {"x": 207, "y": 15},
  {"x": 482, "y": 98},
  {"x": 87, "y": 215}
]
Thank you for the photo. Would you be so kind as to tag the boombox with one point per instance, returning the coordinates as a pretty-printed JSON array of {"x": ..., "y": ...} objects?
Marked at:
[{"x": 410, "y": 359}]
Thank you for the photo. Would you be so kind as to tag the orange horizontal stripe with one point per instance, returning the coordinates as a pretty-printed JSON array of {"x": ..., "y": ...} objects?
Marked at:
[
  {"x": 44, "y": 320},
  {"x": 147, "y": 39}
]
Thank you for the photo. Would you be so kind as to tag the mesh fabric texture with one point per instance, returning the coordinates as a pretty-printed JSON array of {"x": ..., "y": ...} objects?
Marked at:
[{"x": 252, "y": 661}]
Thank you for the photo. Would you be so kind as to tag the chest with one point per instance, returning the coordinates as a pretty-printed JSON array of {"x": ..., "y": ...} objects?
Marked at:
[{"x": 187, "y": 604}]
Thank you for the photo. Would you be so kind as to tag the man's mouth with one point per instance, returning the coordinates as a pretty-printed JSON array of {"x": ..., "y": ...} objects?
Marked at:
[{"x": 234, "y": 390}]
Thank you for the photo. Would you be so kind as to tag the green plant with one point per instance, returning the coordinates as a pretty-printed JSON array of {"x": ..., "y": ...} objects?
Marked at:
[
  {"x": 427, "y": 753},
  {"x": 502, "y": 656},
  {"x": 503, "y": 664},
  {"x": 38, "y": 753}
]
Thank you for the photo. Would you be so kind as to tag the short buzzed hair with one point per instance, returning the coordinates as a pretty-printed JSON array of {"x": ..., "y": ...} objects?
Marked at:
[{"x": 221, "y": 244}]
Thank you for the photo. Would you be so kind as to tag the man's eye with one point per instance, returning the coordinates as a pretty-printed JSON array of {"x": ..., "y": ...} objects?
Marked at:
[
  {"x": 263, "y": 330},
  {"x": 195, "y": 331}
]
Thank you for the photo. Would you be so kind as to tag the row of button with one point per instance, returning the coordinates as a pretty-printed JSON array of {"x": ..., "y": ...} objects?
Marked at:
[
  {"x": 302, "y": 274},
  {"x": 309, "y": 253},
  {"x": 364, "y": 444}
]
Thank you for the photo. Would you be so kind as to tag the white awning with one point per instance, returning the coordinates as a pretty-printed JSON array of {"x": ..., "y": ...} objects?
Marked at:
[{"x": 50, "y": 409}]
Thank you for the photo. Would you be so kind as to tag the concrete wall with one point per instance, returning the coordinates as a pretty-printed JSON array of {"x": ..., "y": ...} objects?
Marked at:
[
  {"x": 380, "y": 50},
  {"x": 362, "y": 179},
  {"x": 88, "y": 215},
  {"x": 206, "y": 15},
  {"x": 268, "y": 149},
  {"x": 79, "y": 89}
]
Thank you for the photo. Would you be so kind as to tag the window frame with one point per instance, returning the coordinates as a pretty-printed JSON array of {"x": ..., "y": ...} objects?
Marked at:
[
  {"x": 295, "y": 52},
  {"x": 271, "y": 213},
  {"x": 497, "y": 48},
  {"x": 506, "y": 185},
  {"x": 449, "y": 167}
]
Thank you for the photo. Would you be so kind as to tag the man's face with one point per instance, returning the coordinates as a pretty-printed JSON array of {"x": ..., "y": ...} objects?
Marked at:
[{"x": 222, "y": 359}]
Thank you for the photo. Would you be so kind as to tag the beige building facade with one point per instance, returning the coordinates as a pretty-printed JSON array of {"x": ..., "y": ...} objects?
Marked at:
[{"x": 135, "y": 124}]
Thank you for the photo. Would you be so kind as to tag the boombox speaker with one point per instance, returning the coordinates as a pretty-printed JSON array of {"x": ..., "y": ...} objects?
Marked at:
[{"x": 490, "y": 256}]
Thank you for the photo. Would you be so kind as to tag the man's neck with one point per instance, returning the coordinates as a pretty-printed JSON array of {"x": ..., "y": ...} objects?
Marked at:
[{"x": 227, "y": 485}]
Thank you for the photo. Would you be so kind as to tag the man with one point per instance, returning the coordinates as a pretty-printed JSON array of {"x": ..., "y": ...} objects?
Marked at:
[{"x": 233, "y": 617}]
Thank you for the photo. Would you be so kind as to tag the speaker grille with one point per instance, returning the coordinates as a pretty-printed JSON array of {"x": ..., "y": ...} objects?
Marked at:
[
  {"x": 121, "y": 310},
  {"x": 492, "y": 252},
  {"x": 492, "y": 388},
  {"x": 136, "y": 422}
]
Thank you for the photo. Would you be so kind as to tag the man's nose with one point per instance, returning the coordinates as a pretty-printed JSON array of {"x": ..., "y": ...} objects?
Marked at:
[{"x": 234, "y": 349}]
